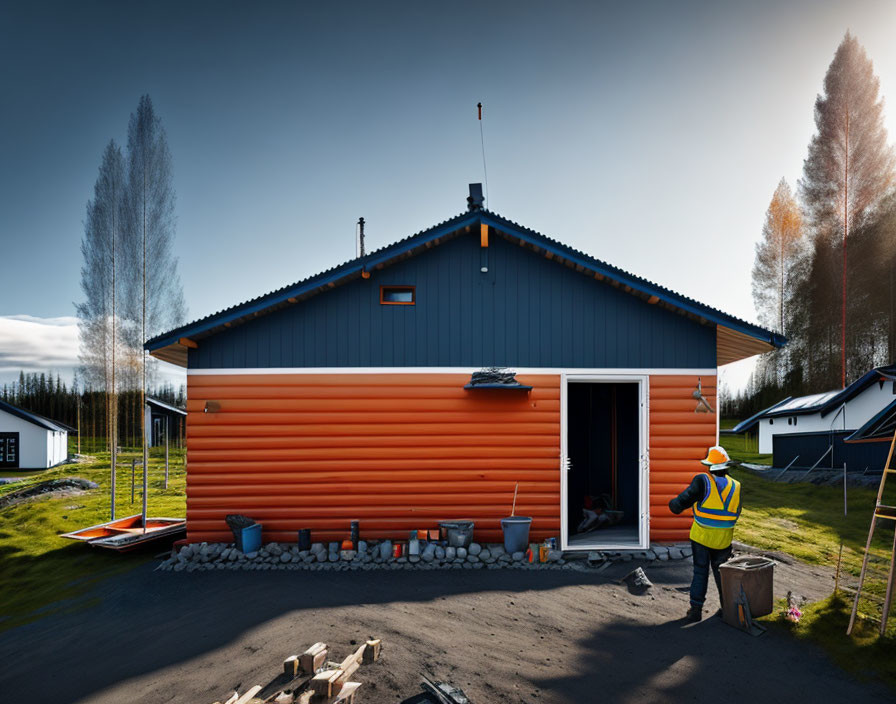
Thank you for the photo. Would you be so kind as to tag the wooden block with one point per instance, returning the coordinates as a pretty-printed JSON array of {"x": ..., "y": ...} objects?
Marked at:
[
  {"x": 232, "y": 698},
  {"x": 319, "y": 660},
  {"x": 354, "y": 659},
  {"x": 346, "y": 694},
  {"x": 372, "y": 651},
  {"x": 307, "y": 659},
  {"x": 291, "y": 666},
  {"x": 250, "y": 693},
  {"x": 325, "y": 683},
  {"x": 350, "y": 665}
]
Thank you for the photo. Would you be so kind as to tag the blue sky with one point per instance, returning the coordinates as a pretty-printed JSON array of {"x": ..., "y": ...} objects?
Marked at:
[{"x": 651, "y": 135}]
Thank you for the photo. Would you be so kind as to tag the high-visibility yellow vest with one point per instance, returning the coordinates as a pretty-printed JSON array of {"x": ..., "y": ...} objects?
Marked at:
[{"x": 716, "y": 513}]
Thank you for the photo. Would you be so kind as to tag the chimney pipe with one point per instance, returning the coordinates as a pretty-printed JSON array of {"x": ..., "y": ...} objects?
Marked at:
[
  {"x": 475, "y": 200},
  {"x": 360, "y": 250}
]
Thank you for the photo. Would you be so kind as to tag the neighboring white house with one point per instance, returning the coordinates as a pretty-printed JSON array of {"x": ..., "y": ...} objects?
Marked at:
[
  {"x": 30, "y": 441},
  {"x": 847, "y": 409}
]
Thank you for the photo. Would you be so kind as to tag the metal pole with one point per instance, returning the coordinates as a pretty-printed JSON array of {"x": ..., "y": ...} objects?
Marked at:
[
  {"x": 133, "y": 478},
  {"x": 146, "y": 424},
  {"x": 166, "y": 451},
  {"x": 844, "y": 489}
]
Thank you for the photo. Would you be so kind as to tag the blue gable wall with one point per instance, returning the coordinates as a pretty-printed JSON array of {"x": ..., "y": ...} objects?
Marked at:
[{"x": 527, "y": 311}]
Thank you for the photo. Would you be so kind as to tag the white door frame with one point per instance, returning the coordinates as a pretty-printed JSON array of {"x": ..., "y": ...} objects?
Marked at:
[{"x": 643, "y": 381}]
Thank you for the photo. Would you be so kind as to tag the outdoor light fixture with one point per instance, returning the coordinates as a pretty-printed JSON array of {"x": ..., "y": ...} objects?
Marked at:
[
  {"x": 211, "y": 407},
  {"x": 702, "y": 404}
]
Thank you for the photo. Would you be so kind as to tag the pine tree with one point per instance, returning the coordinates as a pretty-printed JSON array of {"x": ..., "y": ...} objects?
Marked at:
[{"x": 848, "y": 173}]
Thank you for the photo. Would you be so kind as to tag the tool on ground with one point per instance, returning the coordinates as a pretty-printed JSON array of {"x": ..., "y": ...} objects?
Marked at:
[
  {"x": 744, "y": 616},
  {"x": 444, "y": 693},
  {"x": 885, "y": 512}
]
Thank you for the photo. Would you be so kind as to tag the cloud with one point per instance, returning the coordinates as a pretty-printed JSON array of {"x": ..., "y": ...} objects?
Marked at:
[{"x": 32, "y": 344}]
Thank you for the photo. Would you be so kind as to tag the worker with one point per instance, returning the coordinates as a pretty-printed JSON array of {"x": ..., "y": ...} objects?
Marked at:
[{"x": 715, "y": 499}]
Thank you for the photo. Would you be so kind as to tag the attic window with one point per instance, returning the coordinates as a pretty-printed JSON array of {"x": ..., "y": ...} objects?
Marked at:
[{"x": 398, "y": 295}]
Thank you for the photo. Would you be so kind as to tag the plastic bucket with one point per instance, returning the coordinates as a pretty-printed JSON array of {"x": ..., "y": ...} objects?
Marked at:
[
  {"x": 249, "y": 539},
  {"x": 756, "y": 576},
  {"x": 457, "y": 534},
  {"x": 516, "y": 533}
]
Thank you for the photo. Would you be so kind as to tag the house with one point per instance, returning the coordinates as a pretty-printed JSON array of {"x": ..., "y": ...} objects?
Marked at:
[
  {"x": 805, "y": 418},
  {"x": 30, "y": 441},
  {"x": 870, "y": 444},
  {"x": 347, "y": 395},
  {"x": 165, "y": 422}
]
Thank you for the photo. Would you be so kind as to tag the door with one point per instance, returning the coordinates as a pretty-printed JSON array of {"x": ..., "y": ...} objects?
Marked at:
[
  {"x": 604, "y": 477},
  {"x": 9, "y": 450}
]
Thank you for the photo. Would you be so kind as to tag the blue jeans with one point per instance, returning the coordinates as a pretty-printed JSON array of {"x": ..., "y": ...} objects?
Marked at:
[{"x": 704, "y": 558}]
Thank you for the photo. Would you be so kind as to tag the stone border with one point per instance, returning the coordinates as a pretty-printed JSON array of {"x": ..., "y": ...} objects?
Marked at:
[{"x": 378, "y": 556}]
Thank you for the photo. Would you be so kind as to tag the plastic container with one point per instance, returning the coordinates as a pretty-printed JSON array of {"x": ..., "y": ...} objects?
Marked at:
[
  {"x": 516, "y": 533},
  {"x": 249, "y": 538},
  {"x": 756, "y": 576},
  {"x": 457, "y": 534},
  {"x": 305, "y": 539}
]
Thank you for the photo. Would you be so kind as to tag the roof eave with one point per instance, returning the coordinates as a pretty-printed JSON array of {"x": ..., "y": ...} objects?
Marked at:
[{"x": 736, "y": 339}]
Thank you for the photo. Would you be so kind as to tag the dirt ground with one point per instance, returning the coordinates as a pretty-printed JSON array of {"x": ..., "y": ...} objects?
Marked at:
[{"x": 502, "y": 636}]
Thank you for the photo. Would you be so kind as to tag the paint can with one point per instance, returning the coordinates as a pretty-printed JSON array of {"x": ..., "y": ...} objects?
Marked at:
[{"x": 305, "y": 539}]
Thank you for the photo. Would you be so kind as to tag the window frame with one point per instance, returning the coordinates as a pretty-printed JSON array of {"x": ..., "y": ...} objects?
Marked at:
[{"x": 397, "y": 287}]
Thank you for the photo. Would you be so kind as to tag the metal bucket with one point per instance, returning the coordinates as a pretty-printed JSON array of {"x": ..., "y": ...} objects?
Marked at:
[{"x": 457, "y": 534}]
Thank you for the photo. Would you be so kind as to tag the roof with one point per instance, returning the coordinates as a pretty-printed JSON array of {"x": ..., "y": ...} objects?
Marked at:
[
  {"x": 34, "y": 418},
  {"x": 748, "y": 424},
  {"x": 880, "y": 427},
  {"x": 164, "y": 407},
  {"x": 829, "y": 401},
  {"x": 736, "y": 338}
]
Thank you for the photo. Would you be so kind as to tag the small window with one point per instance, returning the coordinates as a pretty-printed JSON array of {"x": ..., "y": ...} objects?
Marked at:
[
  {"x": 771, "y": 421},
  {"x": 398, "y": 295},
  {"x": 790, "y": 421},
  {"x": 795, "y": 419}
]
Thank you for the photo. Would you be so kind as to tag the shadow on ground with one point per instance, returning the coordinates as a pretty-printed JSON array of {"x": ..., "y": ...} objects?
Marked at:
[{"x": 504, "y": 635}]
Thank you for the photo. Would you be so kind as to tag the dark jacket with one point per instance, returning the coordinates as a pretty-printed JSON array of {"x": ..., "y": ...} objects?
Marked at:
[{"x": 696, "y": 490}]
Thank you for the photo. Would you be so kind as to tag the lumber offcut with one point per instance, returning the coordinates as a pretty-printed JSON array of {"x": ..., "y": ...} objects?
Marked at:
[
  {"x": 351, "y": 664},
  {"x": 313, "y": 658},
  {"x": 249, "y": 695},
  {"x": 325, "y": 684},
  {"x": 372, "y": 651},
  {"x": 291, "y": 666}
]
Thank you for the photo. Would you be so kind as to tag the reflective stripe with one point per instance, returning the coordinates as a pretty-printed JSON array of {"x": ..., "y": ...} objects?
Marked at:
[{"x": 718, "y": 510}]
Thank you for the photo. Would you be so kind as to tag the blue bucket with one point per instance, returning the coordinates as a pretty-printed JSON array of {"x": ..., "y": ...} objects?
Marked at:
[
  {"x": 250, "y": 539},
  {"x": 516, "y": 533}
]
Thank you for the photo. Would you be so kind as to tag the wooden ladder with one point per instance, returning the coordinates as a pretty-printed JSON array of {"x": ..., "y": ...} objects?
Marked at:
[{"x": 881, "y": 511}]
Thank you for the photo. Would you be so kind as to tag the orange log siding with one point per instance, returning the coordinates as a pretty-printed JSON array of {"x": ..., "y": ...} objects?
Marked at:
[
  {"x": 679, "y": 438},
  {"x": 393, "y": 451},
  {"x": 404, "y": 451}
]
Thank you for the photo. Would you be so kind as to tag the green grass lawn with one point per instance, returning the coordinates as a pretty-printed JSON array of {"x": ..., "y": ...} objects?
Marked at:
[
  {"x": 808, "y": 522},
  {"x": 43, "y": 572}
]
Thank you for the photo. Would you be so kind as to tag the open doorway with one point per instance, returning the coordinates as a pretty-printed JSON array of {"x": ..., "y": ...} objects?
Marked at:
[{"x": 604, "y": 485}]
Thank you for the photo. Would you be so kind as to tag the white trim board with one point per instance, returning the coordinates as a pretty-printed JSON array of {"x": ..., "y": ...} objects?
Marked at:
[
  {"x": 643, "y": 382},
  {"x": 448, "y": 370}
]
